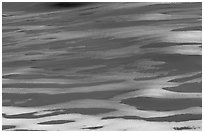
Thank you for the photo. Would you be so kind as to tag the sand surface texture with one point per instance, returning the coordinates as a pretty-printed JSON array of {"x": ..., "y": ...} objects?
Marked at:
[{"x": 102, "y": 66}]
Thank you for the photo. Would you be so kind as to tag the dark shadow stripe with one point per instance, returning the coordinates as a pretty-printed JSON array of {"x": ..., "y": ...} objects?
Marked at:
[
  {"x": 188, "y": 88},
  {"x": 27, "y": 130},
  {"x": 173, "y": 118},
  {"x": 177, "y": 118},
  {"x": 55, "y": 122},
  {"x": 97, "y": 127},
  {"x": 178, "y": 64},
  {"x": 4, "y": 127},
  {"x": 40, "y": 7},
  {"x": 162, "y": 104},
  {"x": 184, "y": 128},
  {"x": 69, "y": 4}
]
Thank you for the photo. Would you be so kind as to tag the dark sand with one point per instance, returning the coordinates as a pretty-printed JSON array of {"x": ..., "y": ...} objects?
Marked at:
[
  {"x": 35, "y": 7},
  {"x": 97, "y": 127},
  {"x": 173, "y": 118},
  {"x": 188, "y": 87},
  {"x": 27, "y": 130},
  {"x": 4, "y": 127},
  {"x": 40, "y": 99},
  {"x": 184, "y": 128},
  {"x": 86, "y": 41},
  {"x": 162, "y": 104},
  {"x": 55, "y": 122},
  {"x": 179, "y": 64},
  {"x": 187, "y": 78}
]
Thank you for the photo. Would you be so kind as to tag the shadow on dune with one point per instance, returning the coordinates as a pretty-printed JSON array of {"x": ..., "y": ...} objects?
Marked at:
[
  {"x": 69, "y": 4},
  {"x": 162, "y": 104},
  {"x": 40, "y": 6},
  {"x": 173, "y": 118}
]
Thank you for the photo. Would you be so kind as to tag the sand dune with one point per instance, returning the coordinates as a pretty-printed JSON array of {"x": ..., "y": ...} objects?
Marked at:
[{"x": 96, "y": 66}]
